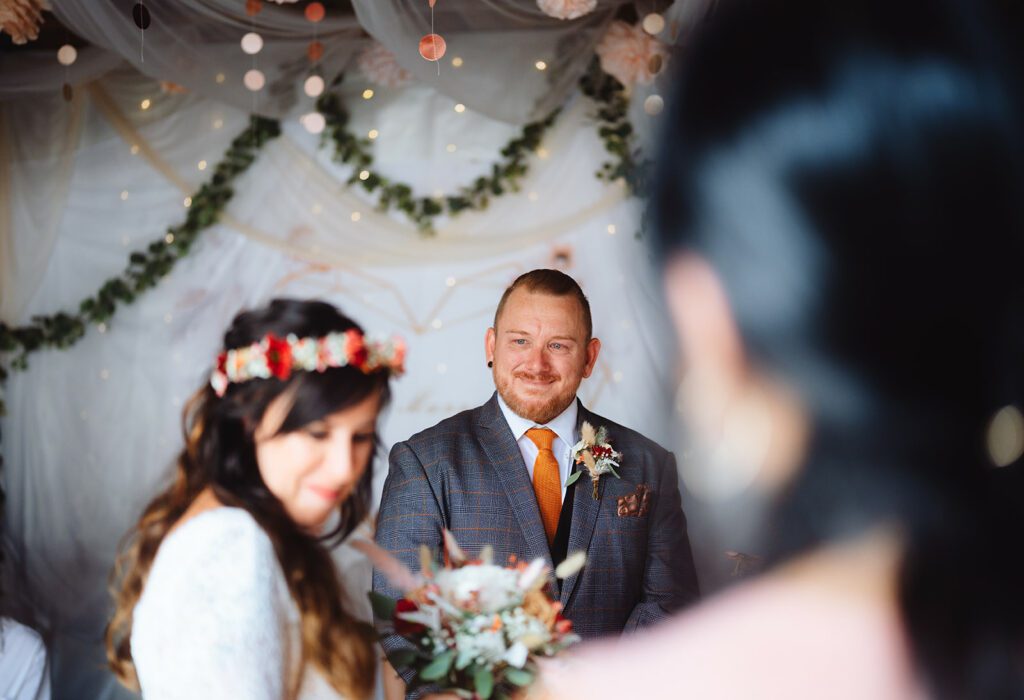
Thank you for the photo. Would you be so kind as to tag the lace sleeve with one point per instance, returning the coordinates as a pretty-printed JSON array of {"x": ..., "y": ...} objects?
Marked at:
[{"x": 213, "y": 621}]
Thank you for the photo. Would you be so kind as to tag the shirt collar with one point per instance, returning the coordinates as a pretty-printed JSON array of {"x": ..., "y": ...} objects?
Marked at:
[{"x": 563, "y": 425}]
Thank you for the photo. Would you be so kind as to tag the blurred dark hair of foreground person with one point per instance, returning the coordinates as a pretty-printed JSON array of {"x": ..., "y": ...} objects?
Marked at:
[{"x": 839, "y": 211}]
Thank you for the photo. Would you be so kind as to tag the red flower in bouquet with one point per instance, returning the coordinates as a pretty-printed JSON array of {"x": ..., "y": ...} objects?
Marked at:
[
  {"x": 404, "y": 627},
  {"x": 279, "y": 357}
]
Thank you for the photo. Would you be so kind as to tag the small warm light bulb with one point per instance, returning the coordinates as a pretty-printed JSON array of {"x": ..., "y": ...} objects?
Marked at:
[
  {"x": 135, "y": 149},
  {"x": 145, "y": 103},
  {"x": 124, "y": 195},
  {"x": 367, "y": 94},
  {"x": 201, "y": 165},
  {"x": 436, "y": 323},
  {"x": 450, "y": 148},
  {"x": 219, "y": 78},
  {"x": 450, "y": 281},
  {"x": 187, "y": 202},
  {"x": 372, "y": 134},
  {"x": 457, "y": 61},
  {"x": 356, "y": 216},
  {"x": 364, "y": 174},
  {"x": 460, "y": 108},
  {"x": 169, "y": 238},
  {"x": 611, "y": 229},
  {"x": 542, "y": 153},
  {"x": 218, "y": 123},
  {"x": 540, "y": 65}
]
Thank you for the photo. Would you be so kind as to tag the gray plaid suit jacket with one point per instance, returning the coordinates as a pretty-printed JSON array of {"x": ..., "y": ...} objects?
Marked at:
[{"x": 467, "y": 474}]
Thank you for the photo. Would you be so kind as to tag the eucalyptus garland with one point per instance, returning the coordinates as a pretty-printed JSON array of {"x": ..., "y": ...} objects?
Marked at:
[
  {"x": 147, "y": 267},
  {"x": 615, "y": 130},
  {"x": 504, "y": 175}
]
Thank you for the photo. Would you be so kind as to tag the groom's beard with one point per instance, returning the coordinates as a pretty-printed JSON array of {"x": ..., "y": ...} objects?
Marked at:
[{"x": 540, "y": 411}]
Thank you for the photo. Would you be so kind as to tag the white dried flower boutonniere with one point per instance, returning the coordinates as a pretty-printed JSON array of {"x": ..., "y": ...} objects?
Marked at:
[{"x": 596, "y": 454}]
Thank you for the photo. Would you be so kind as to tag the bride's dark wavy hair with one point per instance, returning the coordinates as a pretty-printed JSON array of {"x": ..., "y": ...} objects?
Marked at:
[
  {"x": 220, "y": 454},
  {"x": 852, "y": 170}
]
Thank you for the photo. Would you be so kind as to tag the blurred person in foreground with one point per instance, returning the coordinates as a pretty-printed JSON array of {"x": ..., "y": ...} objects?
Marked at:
[{"x": 839, "y": 208}]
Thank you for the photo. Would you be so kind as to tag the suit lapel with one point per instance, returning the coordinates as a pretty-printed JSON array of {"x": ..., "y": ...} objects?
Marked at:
[
  {"x": 584, "y": 513},
  {"x": 507, "y": 461}
]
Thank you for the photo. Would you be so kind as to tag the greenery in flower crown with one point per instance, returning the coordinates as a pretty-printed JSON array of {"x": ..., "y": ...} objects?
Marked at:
[
  {"x": 145, "y": 268},
  {"x": 616, "y": 130},
  {"x": 392, "y": 195}
]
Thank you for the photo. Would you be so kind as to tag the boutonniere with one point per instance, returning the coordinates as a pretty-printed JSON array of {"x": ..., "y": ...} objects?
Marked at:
[{"x": 596, "y": 454}]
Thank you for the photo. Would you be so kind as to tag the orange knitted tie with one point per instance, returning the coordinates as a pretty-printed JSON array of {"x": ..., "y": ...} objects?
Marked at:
[{"x": 547, "y": 484}]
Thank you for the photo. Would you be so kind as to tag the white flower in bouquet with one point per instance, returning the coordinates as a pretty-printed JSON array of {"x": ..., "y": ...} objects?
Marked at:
[{"x": 485, "y": 588}]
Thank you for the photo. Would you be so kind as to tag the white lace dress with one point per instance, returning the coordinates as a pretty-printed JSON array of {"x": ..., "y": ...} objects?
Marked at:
[{"x": 215, "y": 619}]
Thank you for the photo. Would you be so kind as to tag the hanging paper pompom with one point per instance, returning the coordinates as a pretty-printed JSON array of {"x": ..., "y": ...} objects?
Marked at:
[
  {"x": 315, "y": 51},
  {"x": 140, "y": 13},
  {"x": 253, "y": 7},
  {"x": 566, "y": 9},
  {"x": 22, "y": 18},
  {"x": 381, "y": 67},
  {"x": 432, "y": 47},
  {"x": 629, "y": 54},
  {"x": 315, "y": 12}
]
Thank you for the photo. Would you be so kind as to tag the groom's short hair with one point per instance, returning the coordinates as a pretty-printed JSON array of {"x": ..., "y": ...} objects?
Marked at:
[{"x": 553, "y": 282}]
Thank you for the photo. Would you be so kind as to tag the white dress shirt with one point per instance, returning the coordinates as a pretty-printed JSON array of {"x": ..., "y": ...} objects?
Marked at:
[{"x": 564, "y": 427}]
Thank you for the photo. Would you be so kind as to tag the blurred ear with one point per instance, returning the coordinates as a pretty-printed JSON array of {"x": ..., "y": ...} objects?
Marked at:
[
  {"x": 489, "y": 339},
  {"x": 708, "y": 337}
]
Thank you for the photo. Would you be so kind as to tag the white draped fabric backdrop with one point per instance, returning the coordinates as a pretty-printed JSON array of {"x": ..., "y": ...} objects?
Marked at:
[{"x": 92, "y": 432}]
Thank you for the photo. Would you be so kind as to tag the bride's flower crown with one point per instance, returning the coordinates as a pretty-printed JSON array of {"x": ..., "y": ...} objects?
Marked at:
[{"x": 279, "y": 357}]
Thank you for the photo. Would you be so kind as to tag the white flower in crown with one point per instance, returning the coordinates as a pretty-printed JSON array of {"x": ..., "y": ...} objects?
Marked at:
[{"x": 305, "y": 353}]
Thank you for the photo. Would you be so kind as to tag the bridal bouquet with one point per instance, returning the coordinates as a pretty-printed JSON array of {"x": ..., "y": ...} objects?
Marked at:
[{"x": 476, "y": 627}]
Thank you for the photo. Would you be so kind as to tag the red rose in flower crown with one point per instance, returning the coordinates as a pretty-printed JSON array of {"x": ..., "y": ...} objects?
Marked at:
[
  {"x": 279, "y": 357},
  {"x": 355, "y": 347}
]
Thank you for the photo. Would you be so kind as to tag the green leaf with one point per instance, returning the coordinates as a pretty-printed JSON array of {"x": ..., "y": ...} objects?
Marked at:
[
  {"x": 517, "y": 676},
  {"x": 383, "y": 606},
  {"x": 573, "y": 478},
  {"x": 439, "y": 667},
  {"x": 483, "y": 681}
]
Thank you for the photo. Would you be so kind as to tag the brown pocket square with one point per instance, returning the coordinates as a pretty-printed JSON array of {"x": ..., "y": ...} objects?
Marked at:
[{"x": 636, "y": 504}]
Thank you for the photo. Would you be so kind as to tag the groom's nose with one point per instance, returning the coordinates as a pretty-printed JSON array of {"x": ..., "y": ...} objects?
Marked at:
[{"x": 538, "y": 359}]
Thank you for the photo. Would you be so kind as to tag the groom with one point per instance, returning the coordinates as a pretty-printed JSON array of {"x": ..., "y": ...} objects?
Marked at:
[{"x": 496, "y": 475}]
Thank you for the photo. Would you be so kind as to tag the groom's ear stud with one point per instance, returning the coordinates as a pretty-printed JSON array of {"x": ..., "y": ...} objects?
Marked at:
[{"x": 490, "y": 363}]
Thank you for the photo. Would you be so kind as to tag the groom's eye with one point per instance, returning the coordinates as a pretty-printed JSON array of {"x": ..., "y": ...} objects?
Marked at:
[{"x": 520, "y": 341}]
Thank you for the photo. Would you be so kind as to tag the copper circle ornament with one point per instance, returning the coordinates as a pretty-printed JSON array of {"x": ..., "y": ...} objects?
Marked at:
[
  {"x": 433, "y": 47},
  {"x": 253, "y": 7},
  {"x": 315, "y": 11},
  {"x": 315, "y": 51}
]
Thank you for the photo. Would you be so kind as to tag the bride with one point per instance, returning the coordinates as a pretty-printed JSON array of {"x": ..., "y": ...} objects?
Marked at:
[{"x": 225, "y": 588}]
